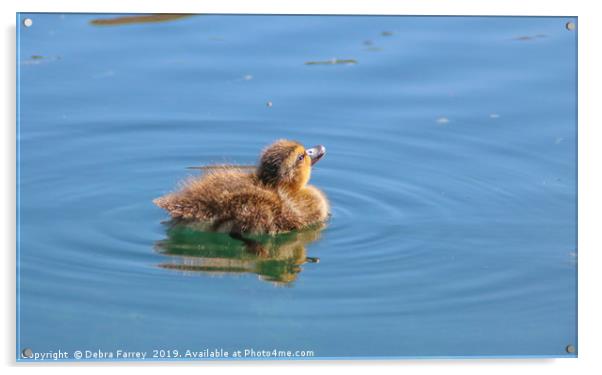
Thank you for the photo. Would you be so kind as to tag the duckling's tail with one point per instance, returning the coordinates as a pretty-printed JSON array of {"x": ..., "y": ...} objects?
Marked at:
[
  {"x": 161, "y": 202},
  {"x": 174, "y": 206},
  {"x": 169, "y": 204}
]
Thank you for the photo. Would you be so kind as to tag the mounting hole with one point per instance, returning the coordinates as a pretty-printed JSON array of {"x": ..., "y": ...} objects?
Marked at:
[
  {"x": 27, "y": 353},
  {"x": 27, "y": 22},
  {"x": 570, "y": 349},
  {"x": 570, "y": 26}
]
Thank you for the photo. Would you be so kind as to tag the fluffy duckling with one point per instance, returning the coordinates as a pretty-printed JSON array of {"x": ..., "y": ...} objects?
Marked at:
[{"x": 275, "y": 198}]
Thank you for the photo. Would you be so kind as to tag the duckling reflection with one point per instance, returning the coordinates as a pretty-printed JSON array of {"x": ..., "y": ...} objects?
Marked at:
[{"x": 277, "y": 259}]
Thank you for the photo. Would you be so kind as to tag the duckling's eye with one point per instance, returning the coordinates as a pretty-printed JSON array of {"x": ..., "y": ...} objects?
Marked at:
[{"x": 300, "y": 157}]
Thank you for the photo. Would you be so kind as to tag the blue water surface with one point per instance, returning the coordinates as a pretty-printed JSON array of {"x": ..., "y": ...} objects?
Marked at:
[{"x": 451, "y": 171}]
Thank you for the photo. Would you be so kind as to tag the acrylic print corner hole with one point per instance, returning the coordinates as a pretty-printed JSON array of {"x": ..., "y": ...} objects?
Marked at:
[{"x": 257, "y": 187}]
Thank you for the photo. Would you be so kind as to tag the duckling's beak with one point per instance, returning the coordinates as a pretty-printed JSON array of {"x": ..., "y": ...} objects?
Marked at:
[{"x": 315, "y": 153}]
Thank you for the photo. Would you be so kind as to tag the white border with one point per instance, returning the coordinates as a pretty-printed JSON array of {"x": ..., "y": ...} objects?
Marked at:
[{"x": 590, "y": 186}]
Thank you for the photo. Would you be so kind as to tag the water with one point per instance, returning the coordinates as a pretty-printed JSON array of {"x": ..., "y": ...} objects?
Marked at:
[{"x": 451, "y": 170}]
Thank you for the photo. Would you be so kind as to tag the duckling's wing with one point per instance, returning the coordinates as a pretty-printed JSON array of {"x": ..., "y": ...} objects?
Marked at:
[{"x": 248, "y": 168}]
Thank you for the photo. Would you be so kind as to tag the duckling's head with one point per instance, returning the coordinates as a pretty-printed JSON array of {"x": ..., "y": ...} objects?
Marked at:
[{"x": 287, "y": 164}]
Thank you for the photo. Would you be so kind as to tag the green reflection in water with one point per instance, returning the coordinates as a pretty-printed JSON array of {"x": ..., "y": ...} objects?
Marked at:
[{"x": 276, "y": 259}]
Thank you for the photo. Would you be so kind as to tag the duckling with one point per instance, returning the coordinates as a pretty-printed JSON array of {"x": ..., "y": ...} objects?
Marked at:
[{"x": 274, "y": 198}]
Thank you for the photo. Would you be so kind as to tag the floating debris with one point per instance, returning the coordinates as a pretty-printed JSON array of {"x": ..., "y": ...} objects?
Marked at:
[
  {"x": 105, "y": 74},
  {"x": 333, "y": 61},
  {"x": 524, "y": 38},
  {"x": 247, "y": 77},
  {"x": 442, "y": 120},
  {"x": 126, "y": 20},
  {"x": 494, "y": 115},
  {"x": 370, "y": 46},
  {"x": 386, "y": 33},
  {"x": 38, "y": 59},
  {"x": 269, "y": 104},
  {"x": 570, "y": 26},
  {"x": 558, "y": 140}
]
